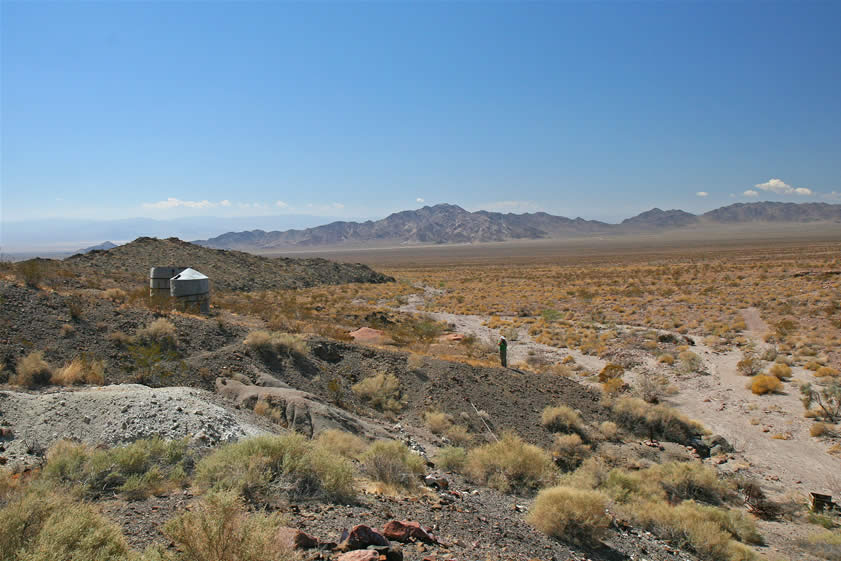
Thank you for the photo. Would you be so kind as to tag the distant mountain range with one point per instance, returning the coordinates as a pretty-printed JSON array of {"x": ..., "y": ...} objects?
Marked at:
[
  {"x": 446, "y": 223},
  {"x": 103, "y": 246}
]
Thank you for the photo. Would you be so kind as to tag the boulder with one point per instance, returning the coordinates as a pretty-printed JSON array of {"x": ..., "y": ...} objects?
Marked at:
[
  {"x": 360, "y": 537},
  {"x": 296, "y": 539},
  {"x": 404, "y": 531},
  {"x": 299, "y": 410},
  {"x": 372, "y": 336},
  {"x": 717, "y": 444},
  {"x": 359, "y": 555}
]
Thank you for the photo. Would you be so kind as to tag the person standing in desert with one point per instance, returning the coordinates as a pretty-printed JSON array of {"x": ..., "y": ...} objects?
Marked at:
[{"x": 503, "y": 351}]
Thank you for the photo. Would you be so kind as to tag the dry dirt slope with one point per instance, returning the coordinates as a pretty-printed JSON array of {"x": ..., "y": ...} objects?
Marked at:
[{"x": 228, "y": 270}]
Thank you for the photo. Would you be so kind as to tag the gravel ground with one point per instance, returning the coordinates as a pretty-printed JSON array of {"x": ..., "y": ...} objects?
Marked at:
[{"x": 112, "y": 415}]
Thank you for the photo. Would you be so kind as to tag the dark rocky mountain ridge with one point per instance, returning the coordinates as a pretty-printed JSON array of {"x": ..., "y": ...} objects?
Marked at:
[{"x": 446, "y": 223}]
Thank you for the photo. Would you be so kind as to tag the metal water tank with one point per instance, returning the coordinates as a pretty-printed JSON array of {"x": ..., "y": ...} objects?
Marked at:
[
  {"x": 191, "y": 290},
  {"x": 159, "y": 276}
]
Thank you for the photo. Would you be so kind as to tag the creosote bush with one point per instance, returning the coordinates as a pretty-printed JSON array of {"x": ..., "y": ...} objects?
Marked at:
[
  {"x": 381, "y": 391},
  {"x": 510, "y": 464},
  {"x": 570, "y": 514},
  {"x": 257, "y": 468},
  {"x": 32, "y": 371},
  {"x": 392, "y": 463}
]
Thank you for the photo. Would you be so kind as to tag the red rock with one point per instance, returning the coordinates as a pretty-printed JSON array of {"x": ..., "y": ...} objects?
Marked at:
[
  {"x": 359, "y": 555},
  {"x": 403, "y": 531},
  {"x": 360, "y": 537},
  {"x": 296, "y": 539},
  {"x": 455, "y": 337},
  {"x": 368, "y": 335}
]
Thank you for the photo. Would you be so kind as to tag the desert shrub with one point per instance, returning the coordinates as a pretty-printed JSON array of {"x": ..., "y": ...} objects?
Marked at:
[
  {"x": 44, "y": 523},
  {"x": 258, "y": 467},
  {"x": 414, "y": 362},
  {"x": 120, "y": 339},
  {"x": 67, "y": 330},
  {"x": 651, "y": 387},
  {"x": 750, "y": 365},
  {"x": 781, "y": 371},
  {"x": 689, "y": 362},
  {"x": 818, "y": 429},
  {"x": 827, "y": 398},
  {"x": 392, "y": 463},
  {"x": 685, "y": 480},
  {"x": 570, "y": 514},
  {"x": 655, "y": 421},
  {"x": 115, "y": 295},
  {"x": 220, "y": 528},
  {"x": 708, "y": 531},
  {"x": 770, "y": 354},
  {"x": 610, "y": 371},
  {"x": 343, "y": 443},
  {"x": 569, "y": 451},
  {"x": 823, "y": 545},
  {"x": 381, "y": 391},
  {"x": 144, "y": 467},
  {"x": 31, "y": 271},
  {"x": 437, "y": 422},
  {"x": 666, "y": 358},
  {"x": 160, "y": 332},
  {"x": 764, "y": 383},
  {"x": 510, "y": 464},
  {"x": 81, "y": 370},
  {"x": 32, "y": 371},
  {"x": 825, "y": 372},
  {"x": 451, "y": 458},
  {"x": 608, "y": 430},
  {"x": 561, "y": 419},
  {"x": 613, "y": 386},
  {"x": 459, "y": 435},
  {"x": 76, "y": 306},
  {"x": 266, "y": 343}
]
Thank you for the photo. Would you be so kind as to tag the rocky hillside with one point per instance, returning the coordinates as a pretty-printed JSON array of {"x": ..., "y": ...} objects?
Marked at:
[
  {"x": 447, "y": 223},
  {"x": 228, "y": 270}
]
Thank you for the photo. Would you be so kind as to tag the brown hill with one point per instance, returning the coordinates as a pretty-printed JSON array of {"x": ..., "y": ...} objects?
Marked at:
[{"x": 228, "y": 270}]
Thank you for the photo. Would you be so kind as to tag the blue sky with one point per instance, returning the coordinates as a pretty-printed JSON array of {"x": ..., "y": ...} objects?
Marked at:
[{"x": 162, "y": 109}]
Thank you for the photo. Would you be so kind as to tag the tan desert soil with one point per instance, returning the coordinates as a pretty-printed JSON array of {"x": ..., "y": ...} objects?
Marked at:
[{"x": 788, "y": 467}]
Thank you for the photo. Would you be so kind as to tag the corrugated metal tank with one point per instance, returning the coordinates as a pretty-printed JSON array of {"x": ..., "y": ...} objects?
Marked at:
[{"x": 189, "y": 282}]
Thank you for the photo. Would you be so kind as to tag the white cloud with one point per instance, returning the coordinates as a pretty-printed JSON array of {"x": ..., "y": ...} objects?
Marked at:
[
  {"x": 172, "y": 202},
  {"x": 226, "y": 202},
  {"x": 782, "y": 188},
  {"x": 420, "y": 200},
  {"x": 338, "y": 205},
  {"x": 702, "y": 193},
  {"x": 281, "y": 204},
  {"x": 832, "y": 196},
  {"x": 750, "y": 193}
]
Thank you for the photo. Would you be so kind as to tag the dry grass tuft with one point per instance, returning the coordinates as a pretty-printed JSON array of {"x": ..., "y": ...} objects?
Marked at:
[
  {"x": 392, "y": 463},
  {"x": 32, "y": 371},
  {"x": 437, "y": 422},
  {"x": 161, "y": 332},
  {"x": 570, "y": 514},
  {"x": 510, "y": 464},
  {"x": 220, "y": 528},
  {"x": 81, "y": 370},
  {"x": 561, "y": 419},
  {"x": 764, "y": 383},
  {"x": 343, "y": 443},
  {"x": 381, "y": 391}
]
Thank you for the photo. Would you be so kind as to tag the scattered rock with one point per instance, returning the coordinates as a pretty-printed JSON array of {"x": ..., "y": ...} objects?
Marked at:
[
  {"x": 404, "y": 531},
  {"x": 359, "y": 555},
  {"x": 360, "y": 537},
  {"x": 296, "y": 539}
]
